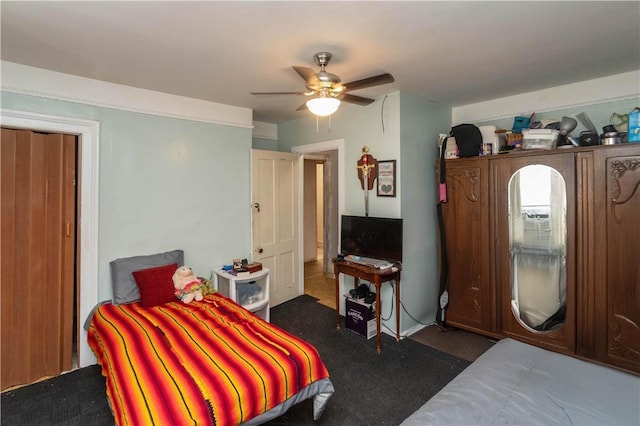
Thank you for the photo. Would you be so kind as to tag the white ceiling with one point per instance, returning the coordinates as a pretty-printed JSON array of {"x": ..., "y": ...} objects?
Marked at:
[{"x": 454, "y": 53}]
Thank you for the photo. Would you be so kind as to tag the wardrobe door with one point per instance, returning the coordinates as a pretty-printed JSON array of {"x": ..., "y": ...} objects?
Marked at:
[
  {"x": 466, "y": 222},
  {"x": 590, "y": 293},
  {"x": 619, "y": 239},
  {"x": 535, "y": 249}
]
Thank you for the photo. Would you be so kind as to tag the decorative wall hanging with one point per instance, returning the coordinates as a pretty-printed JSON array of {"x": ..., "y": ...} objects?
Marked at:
[
  {"x": 367, "y": 173},
  {"x": 387, "y": 178}
]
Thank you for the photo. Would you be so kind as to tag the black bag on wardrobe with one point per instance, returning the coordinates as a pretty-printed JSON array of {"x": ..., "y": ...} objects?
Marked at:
[{"x": 468, "y": 139}]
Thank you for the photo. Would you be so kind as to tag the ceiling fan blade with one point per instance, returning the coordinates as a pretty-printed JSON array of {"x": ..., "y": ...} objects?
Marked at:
[
  {"x": 307, "y": 74},
  {"x": 353, "y": 99},
  {"x": 302, "y": 107},
  {"x": 368, "y": 82},
  {"x": 278, "y": 93}
]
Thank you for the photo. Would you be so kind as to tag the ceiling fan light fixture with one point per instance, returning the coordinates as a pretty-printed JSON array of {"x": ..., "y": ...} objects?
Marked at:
[
  {"x": 327, "y": 91},
  {"x": 323, "y": 105}
]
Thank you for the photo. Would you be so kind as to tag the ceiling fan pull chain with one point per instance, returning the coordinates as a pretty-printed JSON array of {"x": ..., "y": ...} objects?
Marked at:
[{"x": 382, "y": 112}]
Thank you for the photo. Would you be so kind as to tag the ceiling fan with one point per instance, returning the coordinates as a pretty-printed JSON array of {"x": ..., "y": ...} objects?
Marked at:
[{"x": 327, "y": 89}]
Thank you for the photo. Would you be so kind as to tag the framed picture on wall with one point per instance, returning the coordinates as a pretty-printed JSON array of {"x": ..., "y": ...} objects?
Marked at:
[{"x": 386, "y": 178}]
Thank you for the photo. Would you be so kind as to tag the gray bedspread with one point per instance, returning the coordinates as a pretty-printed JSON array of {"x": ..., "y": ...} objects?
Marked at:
[{"x": 514, "y": 383}]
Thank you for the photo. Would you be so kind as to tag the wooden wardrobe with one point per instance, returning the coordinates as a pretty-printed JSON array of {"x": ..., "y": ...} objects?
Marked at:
[{"x": 602, "y": 321}]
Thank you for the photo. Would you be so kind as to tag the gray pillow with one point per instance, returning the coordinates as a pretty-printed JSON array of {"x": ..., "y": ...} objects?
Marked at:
[{"x": 125, "y": 289}]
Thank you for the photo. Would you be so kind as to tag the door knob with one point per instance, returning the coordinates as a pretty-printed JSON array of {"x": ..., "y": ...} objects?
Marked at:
[
  {"x": 257, "y": 206},
  {"x": 260, "y": 250}
]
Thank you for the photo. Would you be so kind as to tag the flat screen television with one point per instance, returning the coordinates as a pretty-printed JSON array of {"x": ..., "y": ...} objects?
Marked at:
[{"x": 377, "y": 237}]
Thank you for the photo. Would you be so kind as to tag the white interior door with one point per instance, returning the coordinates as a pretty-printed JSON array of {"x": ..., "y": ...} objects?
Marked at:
[{"x": 275, "y": 220}]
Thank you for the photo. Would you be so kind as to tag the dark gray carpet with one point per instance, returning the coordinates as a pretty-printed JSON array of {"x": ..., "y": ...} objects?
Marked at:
[
  {"x": 76, "y": 398},
  {"x": 371, "y": 389}
]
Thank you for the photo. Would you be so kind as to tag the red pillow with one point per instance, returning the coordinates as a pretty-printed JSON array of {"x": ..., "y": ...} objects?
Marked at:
[{"x": 156, "y": 285}]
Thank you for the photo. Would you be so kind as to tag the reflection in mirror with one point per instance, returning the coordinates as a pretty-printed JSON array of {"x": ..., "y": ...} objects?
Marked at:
[{"x": 538, "y": 247}]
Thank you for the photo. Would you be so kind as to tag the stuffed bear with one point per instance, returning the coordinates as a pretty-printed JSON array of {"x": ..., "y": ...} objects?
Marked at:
[{"x": 187, "y": 286}]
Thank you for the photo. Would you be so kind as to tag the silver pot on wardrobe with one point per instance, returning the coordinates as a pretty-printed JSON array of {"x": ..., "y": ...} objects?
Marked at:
[{"x": 612, "y": 138}]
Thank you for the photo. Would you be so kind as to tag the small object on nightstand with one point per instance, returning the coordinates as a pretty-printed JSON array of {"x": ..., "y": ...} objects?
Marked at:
[
  {"x": 241, "y": 272},
  {"x": 253, "y": 267},
  {"x": 237, "y": 264}
]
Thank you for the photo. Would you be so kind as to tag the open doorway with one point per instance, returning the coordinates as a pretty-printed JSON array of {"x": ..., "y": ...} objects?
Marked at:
[
  {"x": 313, "y": 210},
  {"x": 330, "y": 155},
  {"x": 318, "y": 281}
]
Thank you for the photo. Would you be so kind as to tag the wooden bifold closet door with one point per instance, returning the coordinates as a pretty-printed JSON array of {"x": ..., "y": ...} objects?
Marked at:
[{"x": 38, "y": 254}]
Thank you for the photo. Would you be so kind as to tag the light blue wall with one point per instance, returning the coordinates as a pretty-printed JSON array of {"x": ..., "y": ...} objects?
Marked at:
[
  {"x": 266, "y": 144},
  {"x": 421, "y": 122},
  {"x": 164, "y": 184}
]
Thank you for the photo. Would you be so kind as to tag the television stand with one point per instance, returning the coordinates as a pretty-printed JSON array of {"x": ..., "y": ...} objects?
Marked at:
[{"x": 372, "y": 274}]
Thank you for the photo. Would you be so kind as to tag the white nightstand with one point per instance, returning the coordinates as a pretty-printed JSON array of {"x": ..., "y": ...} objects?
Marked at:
[{"x": 250, "y": 291}]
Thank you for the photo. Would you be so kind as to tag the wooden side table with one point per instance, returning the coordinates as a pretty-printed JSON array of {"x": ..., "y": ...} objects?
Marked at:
[{"x": 377, "y": 277}]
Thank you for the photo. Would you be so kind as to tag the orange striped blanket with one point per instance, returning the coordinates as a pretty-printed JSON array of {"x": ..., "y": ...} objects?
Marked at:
[{"x": 205, "y": 363}]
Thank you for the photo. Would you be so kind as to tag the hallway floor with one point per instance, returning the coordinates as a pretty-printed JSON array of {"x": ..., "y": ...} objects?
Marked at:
[{"x": 319, "y": 285}]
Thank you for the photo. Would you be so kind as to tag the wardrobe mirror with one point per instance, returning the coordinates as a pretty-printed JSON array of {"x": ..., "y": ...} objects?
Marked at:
[{"x": 538, "y": 247}]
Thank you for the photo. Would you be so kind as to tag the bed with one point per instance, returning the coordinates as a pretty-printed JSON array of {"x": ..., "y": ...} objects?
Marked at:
[
  {"x": 203, "y": 363},
  {"x": 516, "y": 383}
]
